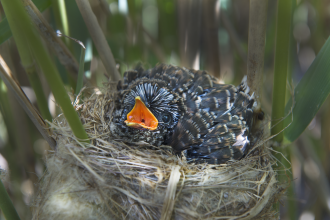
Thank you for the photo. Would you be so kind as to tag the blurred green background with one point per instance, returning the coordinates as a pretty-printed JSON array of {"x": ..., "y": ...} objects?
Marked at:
[{"x": 210, "y": 35}]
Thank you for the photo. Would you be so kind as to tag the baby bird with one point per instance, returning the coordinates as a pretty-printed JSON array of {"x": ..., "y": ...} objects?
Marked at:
[{"x": 186, "y": 109}]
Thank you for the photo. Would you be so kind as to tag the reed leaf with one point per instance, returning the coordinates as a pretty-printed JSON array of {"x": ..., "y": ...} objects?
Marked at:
[
  {"x": 309, "y": 94},
  {"x": 5, "y": 32},
  {"x": 15, "y": 12},
  {"x": 6, "y": 204}
]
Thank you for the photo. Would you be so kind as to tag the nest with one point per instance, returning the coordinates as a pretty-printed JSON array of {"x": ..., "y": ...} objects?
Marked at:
[{"x": 112, "y": 179}]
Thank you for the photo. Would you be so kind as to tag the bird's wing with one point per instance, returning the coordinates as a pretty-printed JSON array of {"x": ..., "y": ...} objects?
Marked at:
[{"x": 216, "y": 126}]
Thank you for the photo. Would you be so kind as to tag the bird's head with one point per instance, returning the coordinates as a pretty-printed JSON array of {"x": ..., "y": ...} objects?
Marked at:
[{"x": 149, "y": 111}]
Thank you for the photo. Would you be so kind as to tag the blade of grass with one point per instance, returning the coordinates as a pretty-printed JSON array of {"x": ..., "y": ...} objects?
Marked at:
[
  {"x": 56, "y": 44},
  {"x": 9, "y": 151},
  {"x": 40, "y": 95},
  {"x": 15, "y": 10},
  {"x": 5, "y": 32},
  {"x": 11, "y": 83},
  {"x": 7, "y": 114},
  {"x": 81, "y": 69},
  {"x": 30, "y": 68},
  {"x": 6, "y": 204},
  {"x": 62, "y": 24},
  {"x": 61, "y": 19},
  {"x": 80, "y": 80},
  {"x": 282, "y": 49},
  {"x": 99, "y": 40},
  {"x": 309, "y": 94}
]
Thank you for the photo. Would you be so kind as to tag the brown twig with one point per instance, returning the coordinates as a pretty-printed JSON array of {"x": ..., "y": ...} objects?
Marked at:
[
  {"x": 189, "y": 15},
  {"x": 99, "y": 39},
  {"x": 210, "y": 39},
  {"x": 257, "y": 35}
]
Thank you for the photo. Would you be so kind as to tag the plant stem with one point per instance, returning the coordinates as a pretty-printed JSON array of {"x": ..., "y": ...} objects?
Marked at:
[
  {"x": 233, "y": 36},
  {"x": 9, "y": 151},
  {"x": 81, "y": 69},
  {"x": 35, "y": 117},
  {"x": 154, "y": 45},
  {"x": 58, "y": 47},
  {"x": 6, "y": 204},
  {"x": 256, "y": 46},
  {"x": 62, "y": 24},
  {"x": 281, "y": 67},
  {"x": 282, "y": 52},
  {"x": 41, "y": 98},
  {"x": 99, "y": 40},
  {"x": 16, "y": 15},
  {"x": 61, "y": 19},
  {"x": 210, "y": 39},
  {"x": 29, "y": 66},
  {"x": 189, "y": 27}
]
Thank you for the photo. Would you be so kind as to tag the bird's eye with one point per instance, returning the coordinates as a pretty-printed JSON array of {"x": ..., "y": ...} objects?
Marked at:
[{"x": 166, "y": 118}]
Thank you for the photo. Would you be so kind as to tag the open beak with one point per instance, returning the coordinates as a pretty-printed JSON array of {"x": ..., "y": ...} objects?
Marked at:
[{"x": 141, "y": 116}]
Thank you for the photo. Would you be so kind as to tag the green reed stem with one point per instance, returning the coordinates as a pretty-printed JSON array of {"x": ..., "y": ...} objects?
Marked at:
[
  {"x": 282, "y": 52},
  {"x": 18, "y": 17},
  {"x": 6, "y": 204}
]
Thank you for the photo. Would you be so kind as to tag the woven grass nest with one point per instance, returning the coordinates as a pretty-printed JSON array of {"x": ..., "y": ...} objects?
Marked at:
[{"x": 110, "y": 179}]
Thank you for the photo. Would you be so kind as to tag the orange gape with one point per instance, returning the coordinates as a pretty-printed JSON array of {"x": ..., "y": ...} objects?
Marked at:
[{"x": 141, "y": 116}]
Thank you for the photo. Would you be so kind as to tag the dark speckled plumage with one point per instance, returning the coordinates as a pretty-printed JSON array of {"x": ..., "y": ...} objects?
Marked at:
[{"x": 209, "y": 121}]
